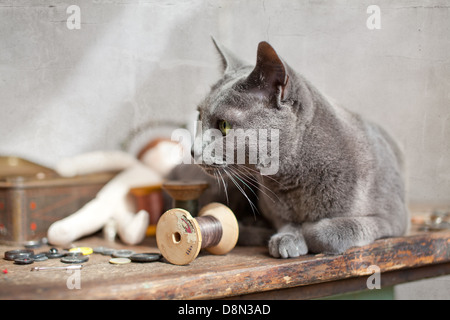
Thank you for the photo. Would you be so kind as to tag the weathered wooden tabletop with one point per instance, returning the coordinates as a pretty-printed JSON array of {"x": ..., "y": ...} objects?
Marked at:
[{"x": 245, "y": 270}]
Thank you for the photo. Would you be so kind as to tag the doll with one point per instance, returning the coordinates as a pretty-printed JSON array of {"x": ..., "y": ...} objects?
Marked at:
[{"x": 113, "y": 203}]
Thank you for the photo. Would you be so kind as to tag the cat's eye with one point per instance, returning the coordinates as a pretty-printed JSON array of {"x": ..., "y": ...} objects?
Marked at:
[{"x": 224, "y": 127}]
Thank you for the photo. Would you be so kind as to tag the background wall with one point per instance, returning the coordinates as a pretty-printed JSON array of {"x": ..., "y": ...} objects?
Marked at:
[{"x": 64, "y": 92}]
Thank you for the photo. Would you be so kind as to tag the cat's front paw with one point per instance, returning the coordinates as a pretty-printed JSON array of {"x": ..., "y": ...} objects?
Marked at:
[{"x": 286, "y": 245}]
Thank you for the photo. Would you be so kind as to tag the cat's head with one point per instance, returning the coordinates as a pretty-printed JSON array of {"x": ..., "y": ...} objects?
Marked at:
[{"x": 255, "y": 107}]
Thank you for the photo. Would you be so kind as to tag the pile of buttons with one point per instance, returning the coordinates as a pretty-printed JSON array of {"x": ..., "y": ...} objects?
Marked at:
[
  {"x": 127, "y": 256},
  {"x": 79, "y": 255},
  {"x": 27, "y": 256}
]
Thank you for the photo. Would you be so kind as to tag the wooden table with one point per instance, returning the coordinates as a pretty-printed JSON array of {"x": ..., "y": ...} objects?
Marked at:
[{"x": 245, "y": 272}]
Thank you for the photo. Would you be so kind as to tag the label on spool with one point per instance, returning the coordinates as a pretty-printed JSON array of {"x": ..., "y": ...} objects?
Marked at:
[{"x": 185, "y": 227}]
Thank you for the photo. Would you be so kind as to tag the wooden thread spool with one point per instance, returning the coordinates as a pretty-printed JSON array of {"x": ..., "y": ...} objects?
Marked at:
[
  {"x": 180, "y": 237},
  {"x": 185, "y": 194}
]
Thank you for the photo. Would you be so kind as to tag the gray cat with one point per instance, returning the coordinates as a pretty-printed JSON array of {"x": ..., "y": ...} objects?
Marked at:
[{"x": 339, "y": 181}]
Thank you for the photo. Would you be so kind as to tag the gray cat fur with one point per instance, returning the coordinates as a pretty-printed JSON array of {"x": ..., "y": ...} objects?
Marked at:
[{"x": 340, "y": 178}]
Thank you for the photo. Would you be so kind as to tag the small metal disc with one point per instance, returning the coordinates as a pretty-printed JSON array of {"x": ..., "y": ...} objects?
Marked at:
[
  {"x": 123, "y": 253},
  {"x": 16, "y": 254},
  {"x": 74, "y": 259},
  {"x": 26, "y": 260},
  {"x": 145, "y": 257},
  {"x": 119, "y": 261}
]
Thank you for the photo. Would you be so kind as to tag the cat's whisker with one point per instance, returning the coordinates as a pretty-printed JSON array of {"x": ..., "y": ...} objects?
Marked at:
[
  {"x": 252, "y": 180},
  {"x": 252, "y": 205},
  {"x": 217, "y": 178},
  {"x": 224, "y": 185},
  {"x": 240, "y": 178},
  {"x": 253, "y": 172}
]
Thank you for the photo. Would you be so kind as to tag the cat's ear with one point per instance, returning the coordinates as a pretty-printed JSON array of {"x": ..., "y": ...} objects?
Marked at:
[
  {"x": 229, "y": 61},
  {"x": 269, "y": 75}
]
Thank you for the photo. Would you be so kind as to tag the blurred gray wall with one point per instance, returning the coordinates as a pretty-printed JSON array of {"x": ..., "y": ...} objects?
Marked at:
[{"x": 64, "y": 92}]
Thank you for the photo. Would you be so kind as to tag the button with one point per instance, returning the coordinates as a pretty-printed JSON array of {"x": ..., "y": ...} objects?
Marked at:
[
  {"x": 34, "y": 244},
  {"x": 84, "y": 250},
  {"x": 99, "y": 250},
  {"x": 74, "y": 253},
  {"x": 108, "y": 251},
  {"x": 123, "y": 253},
  {"x": 75, "y": 259},
  {"x": 15, "y": 254},
  {"x": 119, "y": 261},
  {"x": 26, "y": 260},
  {"x": 39, "y": 257},
  {"x": 145, "y": 257},
  {"x": 53, "y": 253}
]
